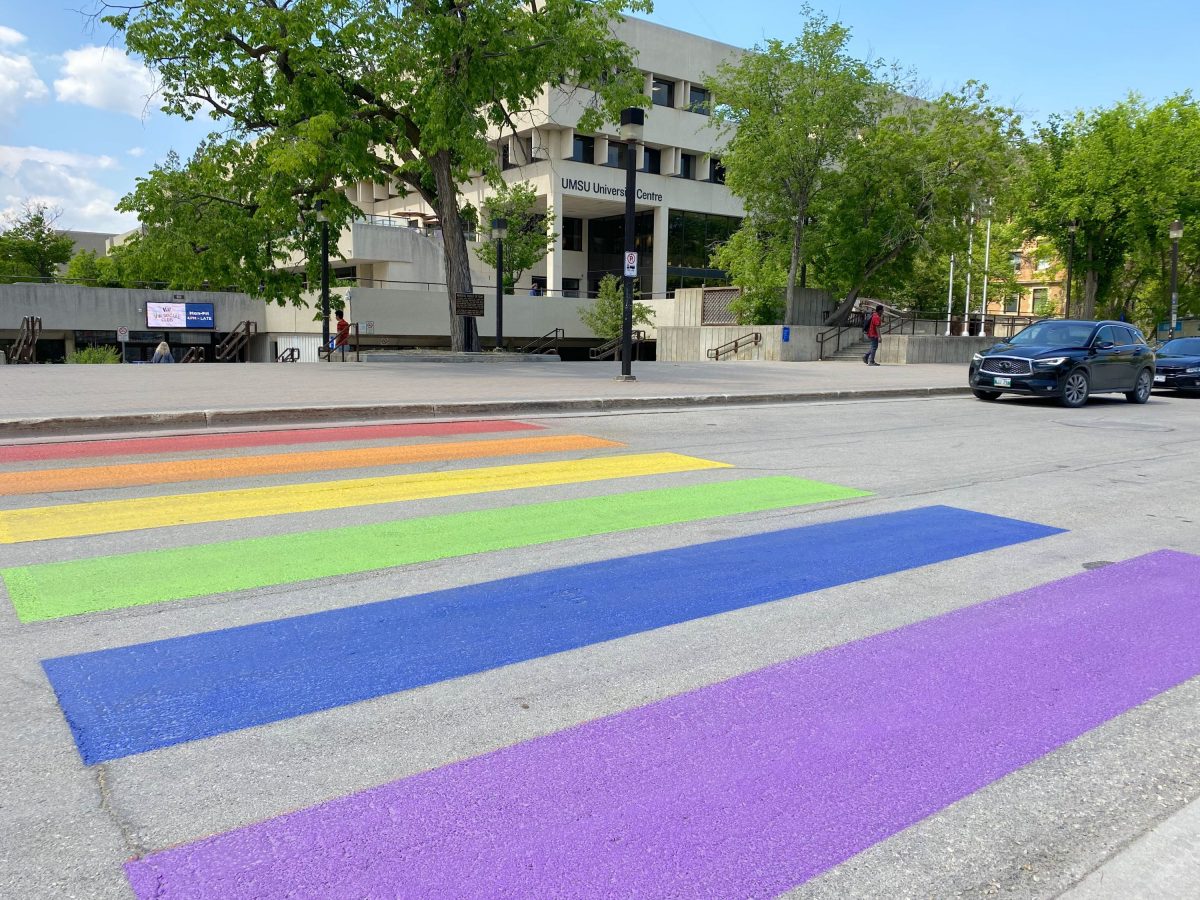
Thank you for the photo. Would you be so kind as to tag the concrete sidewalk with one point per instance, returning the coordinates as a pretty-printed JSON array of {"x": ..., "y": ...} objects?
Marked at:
[{"x": 48, "y": 400}]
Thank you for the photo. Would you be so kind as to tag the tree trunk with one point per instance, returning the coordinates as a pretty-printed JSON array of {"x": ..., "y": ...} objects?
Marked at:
[
  {"x": 842, "y": 313},
  {"x": 463, "y": 333},
  {"x": 792, "y": 315}
]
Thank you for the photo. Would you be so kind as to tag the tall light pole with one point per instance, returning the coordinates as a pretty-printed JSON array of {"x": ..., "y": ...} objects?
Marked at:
[
  {"x": 499, "y": 233},
  {"x": 987, "y": 256},
  {"x": 324, "y": 220},
  {"x": 632, "y": 122},
  {"x": 950, "y": 297},
  {"x": 1071, "y": 229},
  {"x": 1176, "y": 233},
  {"x": 966, "y": 329}
]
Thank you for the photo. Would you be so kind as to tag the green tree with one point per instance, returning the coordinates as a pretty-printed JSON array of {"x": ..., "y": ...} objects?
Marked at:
[
  {"x": 318, "y": 93},
  {"x": 792, "y": 111},
  {"x": 87, "y": 268},
  {"x": 603, "y": 316},
  {"x": 530, "y": 232},
  {"x": 30, "y": 245},
  {"x": 752, "y": 259},
  {"x": 904, "y": 187}
]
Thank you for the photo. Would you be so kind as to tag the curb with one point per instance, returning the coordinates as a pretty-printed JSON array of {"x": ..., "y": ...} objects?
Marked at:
[{"x": 199, "y": 420}]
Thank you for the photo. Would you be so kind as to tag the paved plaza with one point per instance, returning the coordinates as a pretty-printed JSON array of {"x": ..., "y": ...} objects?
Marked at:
[{"x": 910, "y": 646}]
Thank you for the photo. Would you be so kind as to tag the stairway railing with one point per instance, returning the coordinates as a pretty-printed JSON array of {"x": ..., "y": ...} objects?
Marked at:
[
  {"x": 610, "y": 349},
  {"x": 24, "y": 350},
  {"x": 229, "y": 348},
  {"x": 547, "y": 343},
  {"x": 746, "y": 340}
]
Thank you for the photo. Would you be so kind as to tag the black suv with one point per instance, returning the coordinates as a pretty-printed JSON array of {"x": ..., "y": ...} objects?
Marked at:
[
  {"x": 1069, "y": 360},
  {"x": 1178, "y": 364}
]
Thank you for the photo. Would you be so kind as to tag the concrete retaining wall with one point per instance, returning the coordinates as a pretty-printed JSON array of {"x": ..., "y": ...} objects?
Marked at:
[
  {"x": 691, "y": 343},
  {"x": 899, "y": 350},
  {"x": 69, "y": 307}
]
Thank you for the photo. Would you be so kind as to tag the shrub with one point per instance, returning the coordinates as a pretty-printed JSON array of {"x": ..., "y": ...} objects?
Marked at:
[{"x": 94, "y": 356}]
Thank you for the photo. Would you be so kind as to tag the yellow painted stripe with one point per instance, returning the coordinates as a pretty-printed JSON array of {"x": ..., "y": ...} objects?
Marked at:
[
  {"x": 163, "y": 472},
  {"x": 105, "y": 517}
]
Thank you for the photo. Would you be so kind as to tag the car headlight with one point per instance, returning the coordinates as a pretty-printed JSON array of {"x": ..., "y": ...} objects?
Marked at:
[
  {"x": 1194, "y": 370},
  {"x": 1050, "y": 362},
  {"x": 978, "y": 357}
]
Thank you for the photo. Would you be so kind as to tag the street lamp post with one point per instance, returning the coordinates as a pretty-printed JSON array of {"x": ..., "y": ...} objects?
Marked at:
[
  {"x": 324, "y": 220},
  {"x": 1176, "y": 233},
  {"x": 966, "y": 328},
  {"x": 987, "y": 257},
  {"x": 499, "y": 233},
  {"x": 632, "y": 122},
  {"x": 1071, "y": 229}
]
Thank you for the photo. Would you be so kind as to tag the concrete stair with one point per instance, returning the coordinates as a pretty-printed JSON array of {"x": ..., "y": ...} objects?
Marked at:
[{"x": 855, "y": 352}]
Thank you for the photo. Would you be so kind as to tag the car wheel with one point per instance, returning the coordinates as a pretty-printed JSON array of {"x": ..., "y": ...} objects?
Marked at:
[
  {"x": 985, "y": 395},
  {"x": 1075, "y": 389},
  {"x": 1141, "y": 390}
]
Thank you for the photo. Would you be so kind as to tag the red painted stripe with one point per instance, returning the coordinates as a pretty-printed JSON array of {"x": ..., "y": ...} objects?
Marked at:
[{"x": 233, "y": 440}]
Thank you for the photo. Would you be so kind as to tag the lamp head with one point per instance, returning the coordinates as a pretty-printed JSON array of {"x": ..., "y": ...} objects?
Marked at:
[
  {"x": 1073, "y": 226},
  {"x": 320, "y": 208},
  {"x": 500, "y": 228},
  {"x": 633, "y": 120},
  {"x": 1176, "y": 230}
]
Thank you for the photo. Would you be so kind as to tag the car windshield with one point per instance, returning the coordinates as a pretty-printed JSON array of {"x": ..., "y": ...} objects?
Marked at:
[
  {"x": 1054, "y": 334},
  {"x": 1181, "y": 347}
]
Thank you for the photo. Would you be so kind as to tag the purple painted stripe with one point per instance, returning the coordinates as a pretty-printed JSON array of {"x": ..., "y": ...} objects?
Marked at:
[{"x": 744, "y": 788}]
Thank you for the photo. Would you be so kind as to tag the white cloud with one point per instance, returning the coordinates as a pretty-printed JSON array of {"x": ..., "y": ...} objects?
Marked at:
[
  {"x": 61, "y": 179},
  {"x": 10, "y": 37},
  {"x": 19, "y": 81},
  {"x": 105, "y": 78},
  {"x": 136, "y": 152}
]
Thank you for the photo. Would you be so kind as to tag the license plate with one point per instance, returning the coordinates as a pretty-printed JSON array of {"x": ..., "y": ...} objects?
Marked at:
[
  {"x": 1000, "y": 381},
  {"x": 1160, "y": 379}
]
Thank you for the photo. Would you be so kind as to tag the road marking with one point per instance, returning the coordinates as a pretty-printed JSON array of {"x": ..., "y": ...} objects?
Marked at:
[
  {"x": 745, "y": 788},
  {"x": 42, "y": 481},
  {"x": 109, "y": 516},
  {"x": 132, "y": 699},
  {"x": 190, "y": 443},
  {"x": 52, "y": 590}
]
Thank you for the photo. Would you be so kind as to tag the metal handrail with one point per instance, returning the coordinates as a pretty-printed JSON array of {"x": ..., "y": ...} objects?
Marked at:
[
  {"x": 24, "y": 349},
  {"x": 546, "y": 343},
  {"x": 236, "y": 340},
  {"x": 289, "y": 354},
  {"x": 610, "y": 348},
  {"x": 746, "y": 340},
  {"x": 194, "y": 355}
]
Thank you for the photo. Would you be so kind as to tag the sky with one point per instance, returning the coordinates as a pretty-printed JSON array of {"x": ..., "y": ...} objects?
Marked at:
[{"x": 79, "y": 123}]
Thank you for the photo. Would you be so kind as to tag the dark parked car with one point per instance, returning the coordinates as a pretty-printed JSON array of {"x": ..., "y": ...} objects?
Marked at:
[
  {"x": 1067, "y": 359},
  {"x": 1178, "y": 365}
]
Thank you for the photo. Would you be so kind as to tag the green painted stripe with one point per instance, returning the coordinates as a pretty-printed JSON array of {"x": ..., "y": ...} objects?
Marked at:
[{"x": 53, "y": 590}]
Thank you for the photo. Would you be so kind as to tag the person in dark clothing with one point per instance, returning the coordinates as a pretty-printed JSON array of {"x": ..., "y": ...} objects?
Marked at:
[{"x": 873, "y": 335}]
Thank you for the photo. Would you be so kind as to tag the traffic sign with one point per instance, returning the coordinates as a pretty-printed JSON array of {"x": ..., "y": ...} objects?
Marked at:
[
  {"x": 631, "y": 263},
  {"x": 122, "y": 333}
]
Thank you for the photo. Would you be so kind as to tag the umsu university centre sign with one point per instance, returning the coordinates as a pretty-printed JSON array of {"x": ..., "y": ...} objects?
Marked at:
[{"x": 583, "y": 186}]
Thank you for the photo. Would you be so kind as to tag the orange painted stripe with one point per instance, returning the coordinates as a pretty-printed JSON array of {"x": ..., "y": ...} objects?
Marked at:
[{"x": 130, "y": 474}]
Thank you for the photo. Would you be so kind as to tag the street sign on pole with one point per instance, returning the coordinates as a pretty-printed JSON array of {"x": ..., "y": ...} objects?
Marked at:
[
  {"x": 631, "y": 264},
  {"x": 123, "y": 333}
]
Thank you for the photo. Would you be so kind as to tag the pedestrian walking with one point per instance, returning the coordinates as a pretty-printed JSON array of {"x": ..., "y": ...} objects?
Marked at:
[
  {"x": 873, "y": 335},
  {"x": 162, "y": 353},
  {"x": 343, "y": 332}
]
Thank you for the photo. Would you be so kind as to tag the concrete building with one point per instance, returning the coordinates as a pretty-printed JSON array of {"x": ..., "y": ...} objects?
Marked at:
[{"x": 683, "y": 206}]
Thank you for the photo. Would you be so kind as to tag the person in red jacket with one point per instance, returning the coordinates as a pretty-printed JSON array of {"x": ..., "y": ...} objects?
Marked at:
[{"x": 873, "y": 335}]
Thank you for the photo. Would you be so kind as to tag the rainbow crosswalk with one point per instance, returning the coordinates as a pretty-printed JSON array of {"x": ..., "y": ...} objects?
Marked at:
[{"x": 742, "y": 788}]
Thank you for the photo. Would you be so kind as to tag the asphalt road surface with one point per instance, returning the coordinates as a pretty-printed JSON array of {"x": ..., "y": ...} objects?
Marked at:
[{"x": 903, "y": 648}]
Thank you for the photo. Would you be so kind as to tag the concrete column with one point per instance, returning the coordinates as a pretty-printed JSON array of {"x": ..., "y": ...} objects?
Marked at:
[
  {"x": 601, "y": 150},
  {"x": 659, "y": 276},
  {"x": 554, "y": 259},
  {"x": 566, "y": 143}
]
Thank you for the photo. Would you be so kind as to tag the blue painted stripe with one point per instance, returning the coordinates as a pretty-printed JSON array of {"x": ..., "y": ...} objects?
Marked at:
[{"x": 132, "y": 699}]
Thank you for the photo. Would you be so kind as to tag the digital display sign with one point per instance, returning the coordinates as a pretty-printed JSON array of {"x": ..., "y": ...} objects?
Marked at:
[{"x": 180, "y": 315}]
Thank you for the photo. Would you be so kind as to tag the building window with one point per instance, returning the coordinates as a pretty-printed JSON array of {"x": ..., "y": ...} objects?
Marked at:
[
  {"x": 1011, "y": 305},
  {"x": 505, "y": 157},
  {"x": 570, "y": 287},
  {"x": 1041, "y": 302},
  {"x": 687, "y": 165},
  {"x": 692, "y": 237},
  {"x": 572, "y": 233},
  {"x": 717, "y": 172},
  {"x": 617, "y": 154},
  {"x": 1043, "y": 264},
  {"x": 663, "y": 92},
  {"x": 651, "y": 160},
  {"x": 583, "y": 149},
  {"x": 699, "y": 101},
  {"x": 1016, "y": 259}
]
